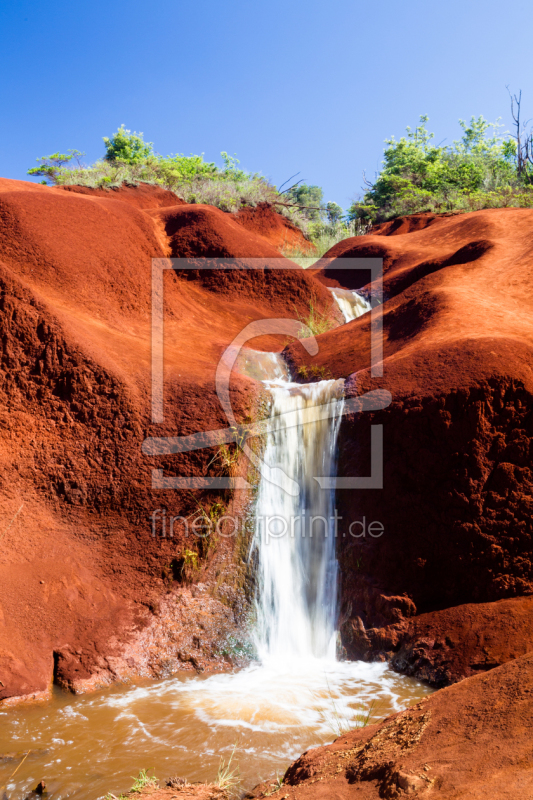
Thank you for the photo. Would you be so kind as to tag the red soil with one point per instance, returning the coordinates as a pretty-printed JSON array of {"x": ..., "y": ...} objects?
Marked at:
[
  {"x": 200, "y": 230},
  {"x": 472, "y": 740},
  {"x": 279, "y": 230},
  {"x": 458, "y": 436},
  {"x": 81, "y": 575},
  {"x": 189, "y": 791},
  {"x": 143, "y": 195},
  {"x": 443, "y": 647}
]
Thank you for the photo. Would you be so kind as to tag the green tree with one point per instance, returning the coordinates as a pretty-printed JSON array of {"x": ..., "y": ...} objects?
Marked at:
[
  {"x": 308, "y": 196},
  {"x": 419, "y": 175},
  {"x": 50, "y": 167},
  {"x": 127, "y": 147},
  {"x": 334, "y": 213}
]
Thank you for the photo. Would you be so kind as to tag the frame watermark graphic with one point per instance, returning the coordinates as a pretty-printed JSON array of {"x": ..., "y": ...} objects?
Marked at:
[{"x": 235, "y": 432}]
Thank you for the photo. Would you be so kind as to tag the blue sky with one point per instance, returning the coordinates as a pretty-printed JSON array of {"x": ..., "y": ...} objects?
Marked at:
[{"x": 292, "y": 86}]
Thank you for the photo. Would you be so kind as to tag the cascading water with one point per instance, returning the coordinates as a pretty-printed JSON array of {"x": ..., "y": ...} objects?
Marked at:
[
  {"x": 295, "y": 525},
  {"x": 352, "y": 304},
  {"x": 297, "y": 695},
  {"x": 295, "y": 537}
]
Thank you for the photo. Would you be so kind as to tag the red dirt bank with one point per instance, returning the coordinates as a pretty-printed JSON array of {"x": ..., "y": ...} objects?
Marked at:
[
  {"x": 89, "y": 596},
  {"x": 458, "y": 436},
  {"x": 472, "y": 740},
  {"x": 86, "y": 590}
]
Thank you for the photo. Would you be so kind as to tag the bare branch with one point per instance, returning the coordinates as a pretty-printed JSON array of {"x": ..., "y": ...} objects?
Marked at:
[
  {"x": 288, "y": 179},
  {"x": 294, "y": 205},
  {"x": 292, "y": 187},
  {"x": 368, "y": 183}
]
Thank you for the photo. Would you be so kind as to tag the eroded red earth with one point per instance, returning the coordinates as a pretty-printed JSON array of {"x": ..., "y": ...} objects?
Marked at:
[{"x": 444, "y": 593}]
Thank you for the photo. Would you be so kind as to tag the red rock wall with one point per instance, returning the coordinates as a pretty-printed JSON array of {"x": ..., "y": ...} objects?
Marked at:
[
  {"x": 81, "y": 576},
  {"x": 458, "y": 435}
]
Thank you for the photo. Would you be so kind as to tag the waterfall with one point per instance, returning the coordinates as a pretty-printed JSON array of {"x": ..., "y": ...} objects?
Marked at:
[
  {"x": 295, "y": 530},
  {"x": 351, "y": 304}
]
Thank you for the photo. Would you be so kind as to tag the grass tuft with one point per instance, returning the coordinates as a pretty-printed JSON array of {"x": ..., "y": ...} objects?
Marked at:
[
  {"x": 140, "y": 783},
  {"x": 277, "y": 784},
  {"x": 315, "y": 320},
  {"x": 228, "y": 776}
]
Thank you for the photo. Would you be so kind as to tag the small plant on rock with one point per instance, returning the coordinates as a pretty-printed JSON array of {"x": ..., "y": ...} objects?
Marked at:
[
  {"x": 277, "y": 784},
  {"x": 314, "y": 371},
  {"x": 211, "y": 514},
  {"x": 315, "y": 321},
  {"x": 227, "y": 455},
  {"x": 143, "y": 780},
  {"x": 190, "y": 560}
]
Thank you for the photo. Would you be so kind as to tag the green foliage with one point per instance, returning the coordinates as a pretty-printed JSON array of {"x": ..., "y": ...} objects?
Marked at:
[
  {"x": 129, "y": 159},
  {"x": 127, "y": 147},
  {"x": 51, "y": 166},
  {"x": 324, "y": 236},
  {"x": 334, "y": 213},
  {"x": 183, "y": 568},
  {"x": 314, "y": 372},
  {"x": 477, "y": 171},
  {"x": 189, "y": 560},
  {"x": 142, "y": 781},
  {"x": 309, "y": 196}
]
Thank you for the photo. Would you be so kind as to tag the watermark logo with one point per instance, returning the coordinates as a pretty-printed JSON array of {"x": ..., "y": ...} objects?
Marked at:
[
  {"x": 270, "y": 527},
  {"x": 370, "y": 401}
]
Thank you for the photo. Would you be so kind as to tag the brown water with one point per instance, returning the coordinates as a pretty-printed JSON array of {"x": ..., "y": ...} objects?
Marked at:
[{"x": 84, "y": 747}]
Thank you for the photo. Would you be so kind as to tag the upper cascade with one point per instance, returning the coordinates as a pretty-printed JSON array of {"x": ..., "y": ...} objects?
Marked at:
[{"x": 352, "y": 304}]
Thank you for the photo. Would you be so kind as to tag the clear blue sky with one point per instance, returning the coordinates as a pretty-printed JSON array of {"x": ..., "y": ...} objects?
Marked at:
[{"x": 288, "y": 85}]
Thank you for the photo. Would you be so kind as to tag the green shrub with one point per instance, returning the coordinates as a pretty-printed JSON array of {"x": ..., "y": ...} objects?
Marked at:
[
  {"x": 129, "y": 159},
  {"x": 308, "y": 196},
  {"x": 478, "y": 171},
  {"x": 127, "y": 147},
  {"x": 51, "y": 167}
]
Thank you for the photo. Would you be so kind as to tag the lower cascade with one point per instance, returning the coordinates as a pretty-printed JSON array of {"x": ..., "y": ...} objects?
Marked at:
[
  {"x": 295, "y": 531},
  {"x": 297, "y": 694}
]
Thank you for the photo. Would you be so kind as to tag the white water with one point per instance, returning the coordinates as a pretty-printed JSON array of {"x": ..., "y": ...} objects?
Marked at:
[
  {"x": 352, "y": 304},
  {"x": 89, "y": 745},
  {"x": 295, "y": 534}
]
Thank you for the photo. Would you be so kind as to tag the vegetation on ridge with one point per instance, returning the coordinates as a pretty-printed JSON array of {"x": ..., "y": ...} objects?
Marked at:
[
  {"x": 484, "y": 169},
  {"x": 129, "y": 159}
]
